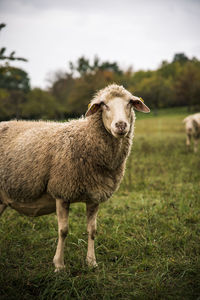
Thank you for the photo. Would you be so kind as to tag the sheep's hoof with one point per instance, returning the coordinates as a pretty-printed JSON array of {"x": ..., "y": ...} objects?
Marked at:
[
  {"x": 91, "y": 263},
  {"x": 59, "y": 268}
]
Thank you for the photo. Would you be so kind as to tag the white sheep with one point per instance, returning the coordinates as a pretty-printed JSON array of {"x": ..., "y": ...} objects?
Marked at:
[
  {"x": 192, "y": 127},
  {"x": 46, "y": 166}
]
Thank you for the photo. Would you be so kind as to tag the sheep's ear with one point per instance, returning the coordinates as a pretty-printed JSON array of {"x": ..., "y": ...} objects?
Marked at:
[
  {"x": 92, "y": 109},
  {"x": 139, "y": 105}
]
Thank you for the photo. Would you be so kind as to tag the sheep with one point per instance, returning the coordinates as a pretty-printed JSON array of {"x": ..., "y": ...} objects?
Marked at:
[
  {"x": 46, "y": 166},
  {"x": 192, "y": 127}
]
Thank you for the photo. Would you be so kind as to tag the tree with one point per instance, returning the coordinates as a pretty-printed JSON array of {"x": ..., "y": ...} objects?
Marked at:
[
  {"x": 14, "y": 84},
  {"x": 11, "y": 104},
  {"x": 156, "y": 91},
  {"x": 12, "y": 78},
  {"x": 4, "y": 109},
  {"x": 83, "y": 66},
  {"x": 61, "y": 89},
  {"x": 187, "y": 85},
  {"x": 180, "y": 57},
  {"x": 40, "y": 105}
]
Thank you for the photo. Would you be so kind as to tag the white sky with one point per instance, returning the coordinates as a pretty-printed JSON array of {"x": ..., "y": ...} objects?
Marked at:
[{"x": 138, "y": 33}]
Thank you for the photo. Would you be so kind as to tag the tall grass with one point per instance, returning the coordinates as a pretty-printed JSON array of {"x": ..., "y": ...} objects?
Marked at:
[{"x": 147, "y": 245}]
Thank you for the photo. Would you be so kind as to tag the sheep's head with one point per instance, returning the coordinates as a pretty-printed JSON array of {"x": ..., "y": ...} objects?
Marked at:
[
  {"x": 192, "y": 123},
  {"x": 117, "y": 105}
]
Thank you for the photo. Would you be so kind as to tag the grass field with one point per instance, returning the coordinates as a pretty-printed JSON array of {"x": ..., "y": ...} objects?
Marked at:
[{"x": 148, "y": 242}]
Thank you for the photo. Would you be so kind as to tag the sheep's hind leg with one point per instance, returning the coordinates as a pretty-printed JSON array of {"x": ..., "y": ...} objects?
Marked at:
[
  {"x": 91, "y": 229},
  {"x": 2, "y": 208},
  {"x": 195, "y": 144},
  {"x": 62, "y": 210}
]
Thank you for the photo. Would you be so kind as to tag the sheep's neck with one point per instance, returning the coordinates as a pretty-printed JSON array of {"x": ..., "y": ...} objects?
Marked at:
[{"x": 112, "y": 152}]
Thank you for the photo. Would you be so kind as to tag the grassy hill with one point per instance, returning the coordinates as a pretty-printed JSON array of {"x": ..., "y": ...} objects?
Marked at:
[{"x": 147, "y": 245}]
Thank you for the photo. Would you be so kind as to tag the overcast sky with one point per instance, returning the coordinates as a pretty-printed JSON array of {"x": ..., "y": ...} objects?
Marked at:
[{"x": 138, "y": 33}]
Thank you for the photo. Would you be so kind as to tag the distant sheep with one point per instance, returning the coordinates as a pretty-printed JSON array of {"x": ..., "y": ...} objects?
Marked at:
[
  {"x": 192, "y": 127},
  {"x": 46, "y": 166}
]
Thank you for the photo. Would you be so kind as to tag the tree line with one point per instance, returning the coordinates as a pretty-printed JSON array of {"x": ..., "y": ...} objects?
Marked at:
[{"x": 175, "y": 83}]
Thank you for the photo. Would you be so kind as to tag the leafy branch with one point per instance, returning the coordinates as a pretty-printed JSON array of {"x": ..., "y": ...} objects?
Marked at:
[{"x": 11, "y": 56}]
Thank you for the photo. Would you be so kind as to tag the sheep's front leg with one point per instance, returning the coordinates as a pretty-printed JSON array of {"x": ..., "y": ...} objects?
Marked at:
[
  {"x": 62, "y": 210},
  {"x": 92, "y": 210},
  {"x": 188, "y": 140}
]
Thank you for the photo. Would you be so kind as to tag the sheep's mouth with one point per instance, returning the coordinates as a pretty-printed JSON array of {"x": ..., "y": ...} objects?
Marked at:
[{"x": 119, "y": 134}]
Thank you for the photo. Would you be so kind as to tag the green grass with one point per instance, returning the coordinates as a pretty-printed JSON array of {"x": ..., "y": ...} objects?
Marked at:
[{"x": 147, "y": 246}]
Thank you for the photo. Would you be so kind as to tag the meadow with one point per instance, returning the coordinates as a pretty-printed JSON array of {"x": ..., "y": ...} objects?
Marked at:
[{"x": 148, "y": 241}]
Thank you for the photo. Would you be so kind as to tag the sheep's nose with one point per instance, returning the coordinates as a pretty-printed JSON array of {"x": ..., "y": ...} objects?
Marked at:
[{"x": 121, "y": 126}]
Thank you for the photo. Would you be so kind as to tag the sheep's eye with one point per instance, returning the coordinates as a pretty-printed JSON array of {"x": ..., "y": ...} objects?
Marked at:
[
  {"x": 104, "y": 105},
  {"x": 136, "y": 102}
]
